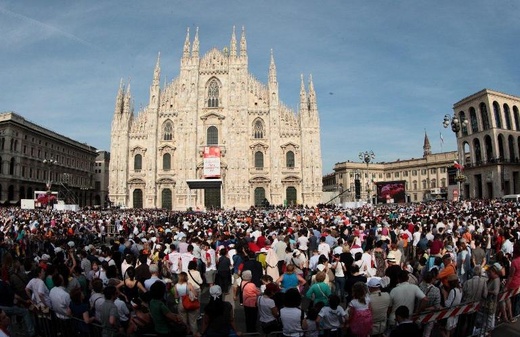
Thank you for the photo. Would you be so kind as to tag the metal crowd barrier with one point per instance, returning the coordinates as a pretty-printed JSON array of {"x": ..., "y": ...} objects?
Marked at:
[
  {"x": 463, "y": 308},
  {"x": 48, "y": 325}
]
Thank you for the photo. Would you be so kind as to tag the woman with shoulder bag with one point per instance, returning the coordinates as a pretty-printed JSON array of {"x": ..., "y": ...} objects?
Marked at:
[
  {"x": 268, "y": 313},
  {"x": 183, "y": 292}
]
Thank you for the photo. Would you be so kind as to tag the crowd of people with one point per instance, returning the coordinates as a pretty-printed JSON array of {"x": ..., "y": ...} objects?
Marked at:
[{"x": 321, "y": 271}]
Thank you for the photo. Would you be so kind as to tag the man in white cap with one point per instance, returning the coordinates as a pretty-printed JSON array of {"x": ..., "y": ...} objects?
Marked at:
[{"x": 380, "y": 303}]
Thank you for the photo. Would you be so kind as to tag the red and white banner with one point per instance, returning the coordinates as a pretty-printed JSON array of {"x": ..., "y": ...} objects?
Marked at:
[{"x": 211, "y": 162}]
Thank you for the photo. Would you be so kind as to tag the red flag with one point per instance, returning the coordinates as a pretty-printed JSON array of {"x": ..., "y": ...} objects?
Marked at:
[{"x": 458, "y": 166}]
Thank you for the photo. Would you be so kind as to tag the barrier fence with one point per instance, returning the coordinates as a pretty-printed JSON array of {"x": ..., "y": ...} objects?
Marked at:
[
  {"x": 463, "y": 308},
  {"x": 48, "y": 325}
]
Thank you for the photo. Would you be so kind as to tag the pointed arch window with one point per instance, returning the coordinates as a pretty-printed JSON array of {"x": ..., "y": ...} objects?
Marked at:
[
  {"x": 168, "y": 131},
  {"x": 289, "y": 159},
  {"x": 213, "y": 94},
  {"x": 258, "y": 129},
  {"x": 138, "y": 163},
  {"x": 167, "y": 162},
  {"x": 259, "y": 160},
  {"x": 212, "y": 135}
]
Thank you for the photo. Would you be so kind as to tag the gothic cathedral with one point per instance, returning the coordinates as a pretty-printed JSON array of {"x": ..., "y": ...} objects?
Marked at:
[{"x": 215, "y": 137}]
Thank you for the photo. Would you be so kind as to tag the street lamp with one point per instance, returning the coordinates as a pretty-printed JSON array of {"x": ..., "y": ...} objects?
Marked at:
[
  {"x": 456, "y": 125},
  {"x": 357, "y": 185},
  {"x": 367, "y": 157}
]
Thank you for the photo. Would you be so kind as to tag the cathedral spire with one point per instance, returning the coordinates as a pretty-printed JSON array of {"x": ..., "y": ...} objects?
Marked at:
[
  {"x": 313, "y": 106},
  {"x": 272, "y": 69},
  {"x": 426, "y": 147},
  {"x": 120, "y": 98},
  {"x": 127, "y": 104},
  {"x": 195, "y": 47},
  {"x": 186, "y": 51},
  {"x": 157, "y": 71},
  {"x": 233, "y": 52},
  {"x": 243, "y": 44},
  {"x": 303, "y": 95}
]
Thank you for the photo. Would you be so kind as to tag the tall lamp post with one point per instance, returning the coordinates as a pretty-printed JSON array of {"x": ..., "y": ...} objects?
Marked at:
[
  {"x": 367, "y": 157},
  {"x": 456, "y": 125}
]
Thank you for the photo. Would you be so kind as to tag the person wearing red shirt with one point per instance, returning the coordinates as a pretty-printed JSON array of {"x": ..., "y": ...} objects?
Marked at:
[{"x": 436, "y": 245}]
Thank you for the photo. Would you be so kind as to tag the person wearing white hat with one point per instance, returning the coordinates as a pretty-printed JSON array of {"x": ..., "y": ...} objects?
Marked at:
[
  {"x": 380, "y": 302},
  {"x": 218, "y": 318}
]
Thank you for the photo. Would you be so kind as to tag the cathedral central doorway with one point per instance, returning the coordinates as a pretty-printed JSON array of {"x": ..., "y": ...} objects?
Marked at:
[{"x": 212, "y": 198}]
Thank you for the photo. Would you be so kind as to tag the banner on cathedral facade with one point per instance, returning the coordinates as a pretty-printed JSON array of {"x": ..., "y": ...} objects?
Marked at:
[{"x": 211, "y": 162}]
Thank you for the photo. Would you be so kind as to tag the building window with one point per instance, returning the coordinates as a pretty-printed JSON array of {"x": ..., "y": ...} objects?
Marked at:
[
  {"x": 462, "y": 116},
  {"x": 433, "y": 171},
  {"x": 396, "y": 174},
  {"x": 259, "y": 160},
  {"x": 473, "y": 120},
  {"x": 414, "y": 172},
  {"x": 433, "y": 183},
  {"x": 415, "y": 185},
  {"x": 443, "y": 182},
  {"x": 443, "y": 170},
  {"x": 498, "y": 117},
  {"x": 516, "y": 117},
  {"x": 258, "y": 129},
  {"x": 138, "y": 163},
  {"x": 213, "y": 93},
  {"x": 289, "y": 159},
  {"x": 424, "y": 185},
  {"x": 405, "y": 174},
  {"x": 507, "y": 116},
  {"x": 166, "y": 162},
  {"x": 168, "y": 131},
  {"x": 389, "y": 175},
  {"x": 212, "y": 135},
  {"x": 484, "y": 115},
  {"x": 11, "y": 166},
  {"x": 423, "y": 171}
]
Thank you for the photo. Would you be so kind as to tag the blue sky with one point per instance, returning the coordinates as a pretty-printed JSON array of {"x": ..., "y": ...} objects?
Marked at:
[{"x": 384, "y": 71}]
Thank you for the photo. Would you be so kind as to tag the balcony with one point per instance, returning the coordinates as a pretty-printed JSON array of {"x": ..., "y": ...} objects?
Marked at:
[{"x": 491, "y": 162}]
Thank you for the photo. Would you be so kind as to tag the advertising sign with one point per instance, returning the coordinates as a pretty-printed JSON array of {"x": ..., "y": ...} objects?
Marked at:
[{"x": 211, "y": 162}]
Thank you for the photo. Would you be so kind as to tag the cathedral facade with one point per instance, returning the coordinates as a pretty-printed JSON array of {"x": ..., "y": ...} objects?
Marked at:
[{"x": 215, "y": 137}]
